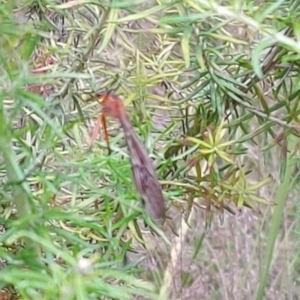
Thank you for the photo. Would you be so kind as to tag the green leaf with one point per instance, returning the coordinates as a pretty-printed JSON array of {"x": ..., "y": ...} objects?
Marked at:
[
  {"x": 30, "y": 43},
  {"x": 199, "y": 142},
  {"x": 143, "y": 14},
  {"x": 256, "y": 56},
  {"x": 110, "y": 29},
  {"x": 269, "y": 10},
  {"x": 175, "y": 19},
  {"x": 240, "y": 202},
  {"x": 185, "y": 47}
]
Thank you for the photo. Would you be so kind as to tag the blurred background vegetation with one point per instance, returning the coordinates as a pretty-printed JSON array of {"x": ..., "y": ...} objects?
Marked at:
[{"x": 212, "y": 89}]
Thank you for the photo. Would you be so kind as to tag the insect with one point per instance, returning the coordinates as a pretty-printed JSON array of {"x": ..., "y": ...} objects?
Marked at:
[{"x": 144, "y": 175}]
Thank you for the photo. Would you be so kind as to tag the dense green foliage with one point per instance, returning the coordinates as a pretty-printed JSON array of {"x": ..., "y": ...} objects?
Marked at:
[{"x": 212, "y": 89}]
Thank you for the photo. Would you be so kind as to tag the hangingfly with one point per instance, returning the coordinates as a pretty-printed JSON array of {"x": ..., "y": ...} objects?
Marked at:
[{"x": 144, "y": 175}]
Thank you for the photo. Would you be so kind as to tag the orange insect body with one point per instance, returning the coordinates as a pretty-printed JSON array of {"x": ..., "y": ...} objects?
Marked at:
[{"x": 142, "y": 168}]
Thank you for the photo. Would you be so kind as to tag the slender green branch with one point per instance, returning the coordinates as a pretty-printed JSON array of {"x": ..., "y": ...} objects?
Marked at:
[
  {"x": 283, "y": 191},
  {"x": 14, "y": 172}
]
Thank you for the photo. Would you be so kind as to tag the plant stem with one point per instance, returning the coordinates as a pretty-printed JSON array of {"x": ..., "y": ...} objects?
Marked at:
[
  {"x": 281, "y": 198},
  {"x": 14, "y": 172}
]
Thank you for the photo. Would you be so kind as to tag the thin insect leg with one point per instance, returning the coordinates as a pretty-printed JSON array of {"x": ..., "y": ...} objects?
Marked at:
[
  {"x": 95, "y": 131},
  {"x": 100, "y": 120},
  {"x": 103, "y": 121}
]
